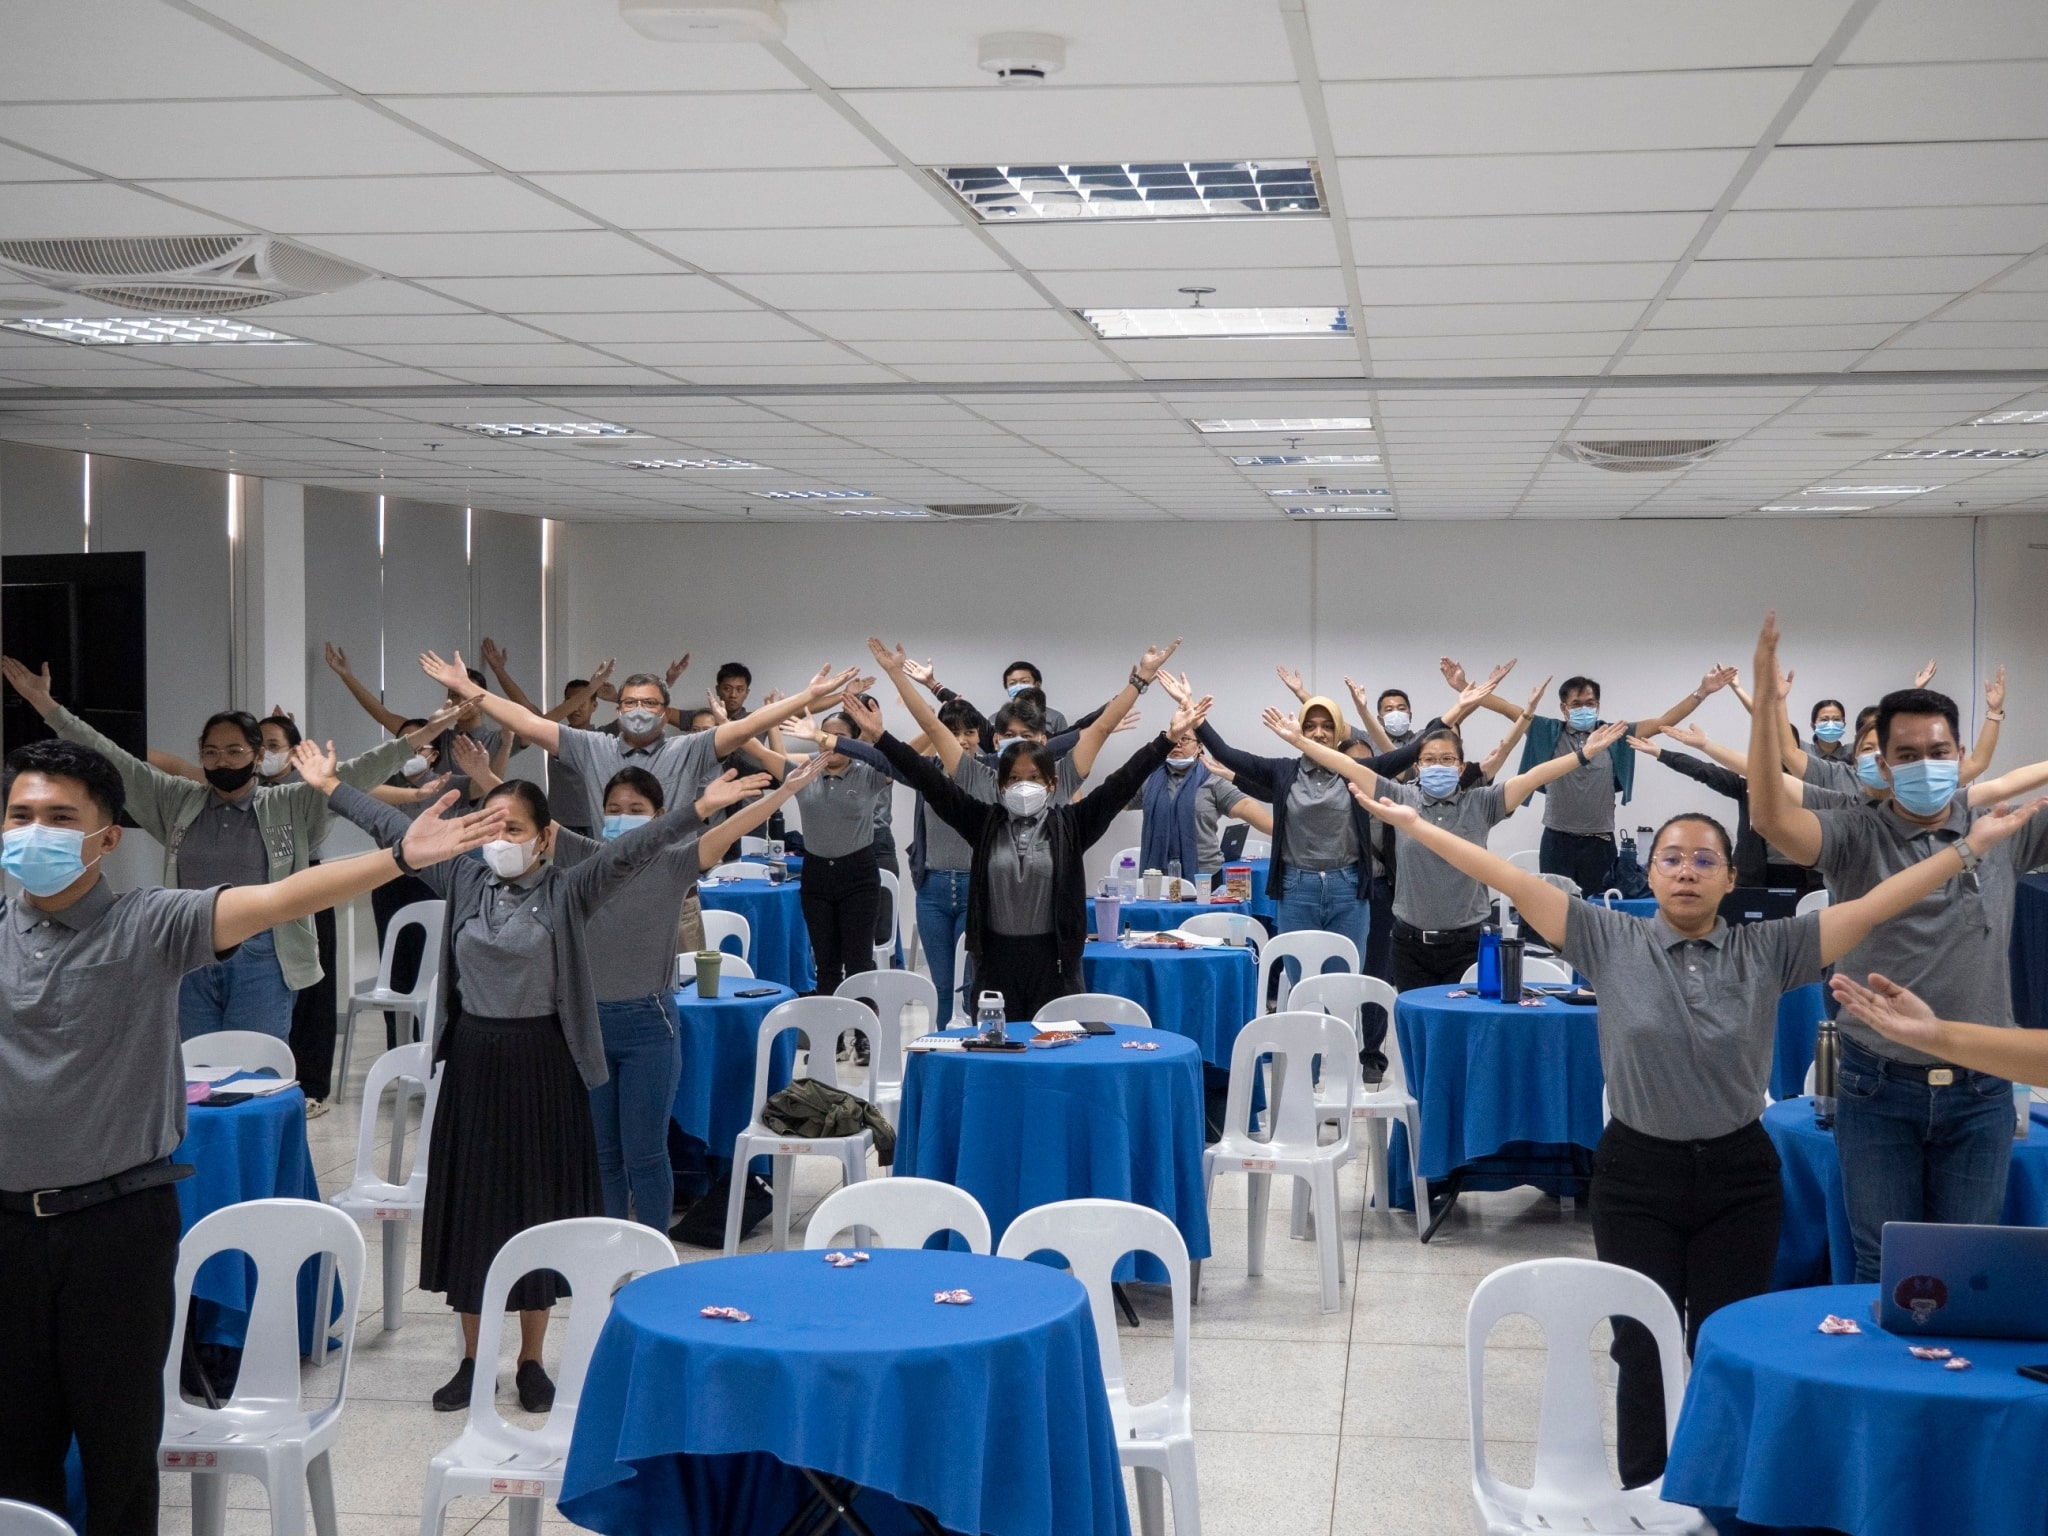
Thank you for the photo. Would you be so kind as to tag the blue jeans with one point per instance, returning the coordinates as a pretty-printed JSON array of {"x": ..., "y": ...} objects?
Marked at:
[
  {"x": 630, "y": 1112},
  {"x": 244, "y": 991},
  {"x": 1912, "y": 1152},
  {"x": 1326, "y": 899},
  {"x": 941, "y": 920}
]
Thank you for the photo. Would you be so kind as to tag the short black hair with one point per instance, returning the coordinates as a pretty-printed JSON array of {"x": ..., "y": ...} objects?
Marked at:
[
  {"x": 574, "y": 686},
  {"x": 410, "y": 725},
  {"x": 1915, "y": 701},
  {"x": 734, "y": 669},
  {"x": 1814, "y": 717},
  {"x": 1037, "y": 677},
  {"x": 640, "y": 781},
  {"x": 284, "y": 723},
  {"x": 241, "y": 720},
  {"x": 1018, "y": 717},
  {"x": 1034, "y": 696},
  {"x": 528, "y": 794},
  {"x": 1721, "y": 832},
  {"x": 959, "y": 715},
  {"x": 1392, "y": 693},
  {"x": 1572, "y": 685},
  {"x": 1442, "y": 733},
  {"x": 1016, "y": 752},
  {"x": 55, "y": 759},
  {"x": 646, "y": 680},
  {"x": 840, "y": 723},
  {"x": 477, "y": 678},
  {"x": 1866, "y": 717},
  {"x": 700, "y": 714}
]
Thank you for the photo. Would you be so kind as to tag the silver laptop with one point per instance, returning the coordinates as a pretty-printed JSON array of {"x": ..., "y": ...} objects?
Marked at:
[{"x": 1963, "y": 1282}]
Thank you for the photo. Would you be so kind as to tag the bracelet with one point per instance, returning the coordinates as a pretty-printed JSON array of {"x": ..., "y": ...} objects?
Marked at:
[
  {"x": 398, "y": 858},
  {"x": 1580, "y": 753},
  {"x": 1996, "y": 719},
  {"x": 1139, "y": 683}
]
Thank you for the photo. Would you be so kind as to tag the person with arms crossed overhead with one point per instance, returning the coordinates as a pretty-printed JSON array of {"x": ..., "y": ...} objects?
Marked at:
[
  {"x": 92, "y": 1104},
  {"x": 1184, "y": 805},
  {"x": 1920, "y": 1139},
  {"x": 1685, "y": 1181},
  {"x": 567, "y": 792}
]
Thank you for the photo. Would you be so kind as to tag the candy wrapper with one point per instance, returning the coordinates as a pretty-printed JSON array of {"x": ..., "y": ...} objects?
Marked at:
[
  {"x": 952, "y": 1298},
  {"x": 1929, "y": 1352},
  {"x": 1834, "y": 1324},
  {"x": 1141, "y": 1045},
  {"x": 1460, "y": 992},
  {"x": 1956, "y": 1363},
  {"x": 840, "y": 1260},
  {"x": 730, "y": 1314}
]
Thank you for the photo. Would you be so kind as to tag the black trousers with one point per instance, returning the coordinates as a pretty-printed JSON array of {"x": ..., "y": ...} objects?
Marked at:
[
  {"x": 313, "y": 1016},
  {"x": 1417, "y": 964},
  {"x": 386, "y": 901},
  {"x": 1701, "y": 1219},
  {"x": 840, "y": 898},
  {"x": 88, "y": 1300},
  {"x": 1588, "y": 861},
  {"x": 1025, "y": 969}
]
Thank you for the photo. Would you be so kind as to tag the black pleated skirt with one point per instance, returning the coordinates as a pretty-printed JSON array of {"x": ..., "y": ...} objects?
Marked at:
[{"x": 512, "y": 1148}]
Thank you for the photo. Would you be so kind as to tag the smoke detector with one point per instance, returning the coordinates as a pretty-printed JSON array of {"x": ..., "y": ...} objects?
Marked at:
[
  {"x": 705, "y": 21},
  {"x": 977, "y": 511},
  {"x": 1023, "y": 58},
  {"x": 181, "y": 274},
  {"x": 1651, "y": 456}
]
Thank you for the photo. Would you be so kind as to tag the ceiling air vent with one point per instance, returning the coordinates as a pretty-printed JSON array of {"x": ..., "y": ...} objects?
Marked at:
[
  {"x": 977, "y": 511},
  {"x": 1649, "y": 457},
  {"x": 181, "y": 274}
]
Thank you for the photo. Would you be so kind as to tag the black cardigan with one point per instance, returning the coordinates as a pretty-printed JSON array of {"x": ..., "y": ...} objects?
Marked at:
[
  {"x": 1069, "y": 830},
  {"x": 1270, "y": 778}
]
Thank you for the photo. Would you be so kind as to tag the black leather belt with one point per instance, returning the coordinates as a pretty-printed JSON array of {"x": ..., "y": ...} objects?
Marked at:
[
  {"x": 1436, "y": 936},
  {"x": 80, "y": 1197}
]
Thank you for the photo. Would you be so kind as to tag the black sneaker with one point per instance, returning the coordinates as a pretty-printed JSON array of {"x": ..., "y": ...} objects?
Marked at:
[
  {"x": 536, "y": 1392},
  {"x": 454, "y": 1397}
]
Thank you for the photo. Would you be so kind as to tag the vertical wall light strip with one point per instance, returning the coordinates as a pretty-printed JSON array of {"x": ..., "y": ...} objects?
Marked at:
[
  {"x": 88, "y": 501},
  {"x": 380, "y": 597},
  {"x": 547, "y": 581},
  {"x": 235, "y": 592}
]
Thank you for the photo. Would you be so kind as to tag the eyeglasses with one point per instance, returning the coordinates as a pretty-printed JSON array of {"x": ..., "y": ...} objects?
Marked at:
[
  {"x": 1671, "y": 861},
  {"x": 226, "y": 755}
]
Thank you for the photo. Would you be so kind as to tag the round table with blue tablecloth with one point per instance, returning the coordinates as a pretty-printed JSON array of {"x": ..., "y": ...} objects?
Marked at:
[
  {"x": 1814, "y": 1246},
  {"x": 1265, "y": 908},
  {"x": 1157, "y": 916},
  {"x": 990, "y": 1416},
  {"x": 1205, "y": 994},
  {"x": 1799, "y": 1014},
  {"x": 1090, "y": 1120},
  {"x": 781, "y": 948},
  {"x": 1788, "y": 1426},
  {"x": 720, "y": 1038}
]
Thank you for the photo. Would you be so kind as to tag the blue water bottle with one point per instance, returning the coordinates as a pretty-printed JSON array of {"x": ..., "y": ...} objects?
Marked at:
[{"x": 1489, "y": 962}]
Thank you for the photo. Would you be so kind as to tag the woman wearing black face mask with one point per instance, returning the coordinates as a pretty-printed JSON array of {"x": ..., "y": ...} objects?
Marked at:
[{"x": 1027, "y": 902}]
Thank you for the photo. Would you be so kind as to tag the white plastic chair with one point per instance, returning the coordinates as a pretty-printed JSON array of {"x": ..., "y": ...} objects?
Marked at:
[
  {"x": 421, "y": 1004},
  {"x": 1573, "y": 1490},
  {"x": 1551, "y": 973},
  {"x": 374, "y": 1197},
  {"x": 720, "y": 926},
  {"x": 1293, "y": 1149},
  {"x": 1098, "y": 1007},
  {"x": 209, "y": 1058},
  {"x": 892, "y": 900},
  {"x": 1155, "y": 1439},
  {"x": 1344, "y": 996},
  {"x": 17, "y": 1519},
  {"x": 890, "y": 994},
  {"x": 1813, "y": 901},
  {"x": 742, "y": 869},
  {"x": 1135, "y": 855},
  {"x": 898, "y": 1213},
  {"x": 821, "y": 1020},
  {"x": 751, "y": 845},
  {"x": 1254, "y": 850},
  {"x": 1527, "y": 858},
  {"x": 1311, "y": 948},
  {"x": 963, "y": 1000},
  {"x": 264, "y": 1430},
  {"x": 1228, "y": 925},
  {"x": 595, "y": 1254}
]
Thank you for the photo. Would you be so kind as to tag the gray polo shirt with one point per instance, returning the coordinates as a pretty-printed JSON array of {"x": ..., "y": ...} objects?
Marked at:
[
  {"x": 1321, "y": 833},
  {"x": 1214, "y": 800},
  {"x": 838, "y": 810},
  {"x": 1688, "y": 1027},
  {"x": 1020, "y": 880},
  {"x": 1949, "y": 947},
  {"x": 224, "y": 846},
  {"x": 632, "y": 938},
  {"x": 1832, "y": 773},
  {"x": 569, "y": 797},
  {"x": 682, "y": 765},
  {"x": 1582, "y": 802},
  {"x": 1428, "y": 892},
  {"x": 977, "y": 775},
  {"x": 506, "y": 952},
  {"x": 91, "y": 1083},
  {"x": 485, "y": 733}
]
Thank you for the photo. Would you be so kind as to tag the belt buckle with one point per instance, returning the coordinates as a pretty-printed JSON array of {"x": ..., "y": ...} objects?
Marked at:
[
  {"x": 36, "y": 1202},
  {"x": 1940, "y": 1077}
]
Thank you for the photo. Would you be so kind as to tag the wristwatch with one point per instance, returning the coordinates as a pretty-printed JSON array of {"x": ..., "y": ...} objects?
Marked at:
[
  {"x": 397, "y": 851},
  {"x": 1139, "y": 683},
  {"x": 1966, "y": 853}
]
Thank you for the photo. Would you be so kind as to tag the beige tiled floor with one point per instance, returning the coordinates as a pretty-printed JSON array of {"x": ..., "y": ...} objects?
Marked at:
[{"x": 1352, "y": 1423}]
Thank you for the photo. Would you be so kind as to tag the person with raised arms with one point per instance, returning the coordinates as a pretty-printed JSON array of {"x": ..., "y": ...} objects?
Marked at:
[{"x": 1902, "y": 1016}]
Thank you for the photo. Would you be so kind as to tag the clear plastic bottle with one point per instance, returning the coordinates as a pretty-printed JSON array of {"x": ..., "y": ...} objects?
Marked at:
[
  {"x": 990, "y": 1016},
  {"x": 1127, "y": 877},
  {"x": 2022, "y": 1110}
]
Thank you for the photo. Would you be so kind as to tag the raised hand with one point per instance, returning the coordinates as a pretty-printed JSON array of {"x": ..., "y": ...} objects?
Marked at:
[
  {"x": 730, "y": 789},
  {"x": 1999, "y": 823},
  {"x": 803, "y": 727},
  {"x": 1499, "y": 674},
  {"x": 773, "y": 696},
  {"x": 1454, "y": 674},
  {"x": 828, "y": 683},
  {"x": 431, "y": 839},
  {"x": 33, "y": 686},
  {"x": 452, "y": 675},
  {"x": 337, "y": 660},
  {"x": 495, "y": 655},
  {"x": 866, "y": 717},
  {"x": 1154, "y": 658},
  {"x": 895, "y": 663},
  {"x": 1925, "y": 675},
  {"x": 279, "y": 712},
  {"x": 806, "y": 771},
  {"x": 601, "y": 678},
  {"x": 1128, "y": 723},
  {"x": 1472, "y": 693},
  {"x": 1217, "y": 770},
  {"x": 431, "y": 788},
  {"x": 1889, "y": 1009},
  {"x": 315, "y": 764},
  {"x": 1189, "y": 716},
  {"x": 921, "y": 673},
  {"x": 676, "y": 669},
  {"x": 1717, "y": 677},
  {"x": 434, "y": 725},
  {"x": 1606, "y": 737},
  {"x": 1691, "y": 735},
  {"x": 474, "y": 763},
  {"x": 1994, "y": 692},
  {"x": 1282, "y": 727},
  {"x": 1176, "y": 688},
  {"x": 717, "y": 709},
  {"x": 1392, "y": 812},
  {"x": 1291, "y": 681},
  {"x": 1647, "y": 748},
  {"x": 1536, "y": 696},
  {"x": 1764, "y": 669}
]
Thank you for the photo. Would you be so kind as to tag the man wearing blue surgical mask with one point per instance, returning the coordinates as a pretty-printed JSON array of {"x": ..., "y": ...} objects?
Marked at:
[
  {"x": 1920, "y": 1139},
  {"x": 1021, "y": 676}
]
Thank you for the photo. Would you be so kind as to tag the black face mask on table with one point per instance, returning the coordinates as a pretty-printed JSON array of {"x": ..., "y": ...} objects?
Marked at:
[{"x": 228, "y": 780}]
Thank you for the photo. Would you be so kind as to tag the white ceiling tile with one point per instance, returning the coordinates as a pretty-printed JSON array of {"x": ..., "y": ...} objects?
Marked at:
[
  {"x": 1511, "y": 367},
  {"x": 1546, "y": 238},
  {"x": 1418, "y": 348},
  {"x": 1059, "y": 123},
  {"x": 377, "y": 204},
  {"x": 1247, "y": 288},
  {"x": 901, "y": 353},
  {"x": 681, "y": 290},
  {"x": 45, "y": 209},
  {"x": 1899, "y": 175},
  {"x": 2032, "y": 278},
  {"x": 939, "y": 248},
  {"x": 891, "y": 290},
  {"x": 1920, "y": 31},
  {"x": 628, "y": 324},
  {"x": 143, "y": 141},
  {"x": 1896, "y": 274},
  {"x": 1507, "y": 284},
  {"x": 1874, "y": 232},
  {"x": 776, "y": 199},
  {"x": 103, "y": 50},
  {"x": 1998, "y": 304},
  {"x": 1741, "y": 362},
  {"x": 1763, "y": 338},
  {"x": 526, "y": 253},
  {"x": 1814, "y": 309},
  {"x": 357, "y": 330},
  {"x": 1173, "y": 244},
  {"x": 1903, "y": 104},
  {"x": 1443, "y": 186},
  {"x": 689, "y": 354},
  {"x": 1383, "y": 320}
]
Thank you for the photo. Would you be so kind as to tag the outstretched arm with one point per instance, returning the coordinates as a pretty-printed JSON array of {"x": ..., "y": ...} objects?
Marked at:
[
  {"x": 1518, "y": 789},
  {"x": 726, "y": 739},
  {"x": 1980, "y": 755},
  {"x": 1491, "y": 765},
  {"x": 1897, "y": 1014},
  {"x": 1322, "y": 756},
  {"x": 729, "y": 789},
  {"x": 390, "y": 719},
  {"x": 1717, "y": 677},
  {"x": 1368, "y": 716},
  {"x": 898, "y": 666},
  {"x": 1845, "y": 924},
  {"x": 1692, "y": 736},
  {"x": 1094, "y": 811},
  {"x": 1111, "y": 715},
  {"x": 1454, "y": 674},
  {"x": 1542, "y": 905},
  {"x": 516, "y": 718},
  {"x": 1779, "y": 819}
]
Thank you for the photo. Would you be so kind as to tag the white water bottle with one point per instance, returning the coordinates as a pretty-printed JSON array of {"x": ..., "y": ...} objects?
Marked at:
[
  {"x": 1127, "y": 877},
  {"x": 990, "y": 1015}
]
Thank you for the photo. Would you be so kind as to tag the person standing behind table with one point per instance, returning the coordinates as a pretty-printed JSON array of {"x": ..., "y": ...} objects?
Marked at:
[
  {"x": 1685, "y": 1181},
  {"x": 92, "y": 1105},
  {"x": 1836, "y": 772},
  {"x": 468, "y": 720},
  {"x": 567, "y": 792},
  {"x": 1920, "y": 1139},
  {"x": 1184, "y": 805},
  {"x": 1022, "y": 683},
  {"x": 1721, "y": 771}
]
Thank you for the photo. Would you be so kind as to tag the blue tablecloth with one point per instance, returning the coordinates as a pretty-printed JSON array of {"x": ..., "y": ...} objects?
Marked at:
[
  {"x": 992, "y": 1416},
  {"x": 1634, "y": 906},
  {"x": 782, "y": 944},
  {"x": 1156, "y": 916},
  {"x": 251, "y": 1151},
  {"x": 1204, "y": 994},
  {"x": 715, "y": 1094},
  {"x": 1084, "y": 1121},
  {"x": 1507, "y": 1092},
  {"x": 1813, "y": 1244},
  {"x": 1792, "y": 1427},
  {"x": 2029, "y": 952},
  {"x": 1261, "y": 906},
  {"x": 1799, "y": 1014}
]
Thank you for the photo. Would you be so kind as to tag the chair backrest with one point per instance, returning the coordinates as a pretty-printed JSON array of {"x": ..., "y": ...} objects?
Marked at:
[
  {"x": 892, "y": 907},
  {"x": 431, "y": 918},
  {"x": 595, "y": 1254},
  {"x": 1135, "y": 855},
  {"x": 890, "y": 993},
  {"x": 226, "y": 1051},
  {"x": 1552, "y": 973},
  {"x": 1812, "y": 901},
  {"x": 1312, "y": 948},
  {"x": 751, "y": 844},
  {"x": 1294, "y": 1040},
  {"x": 278, "y": 1236},
  {"x": 960, "y": 984},
  {"x": 1098, "y": 1007},
  {"x": 1345, "y": 996},
  {"x": 1255, "y": 849},
  {"x": 401, "y": 1064},
  {"x": 1228, "y": 925},
  {"x": 821, "y": 1019},
  {"x": 900, "y": 1213},
  {"x": 18, "y": 1519},
  {"x": 1093, "y": 1236},
  {"x": 720, "y": 926},
  {"x": 1567, "y": 1298},
  {"x": 1527, "y": 858},
  {"x": 742, "y": 869},
  {"x": 732, "y": 968}
]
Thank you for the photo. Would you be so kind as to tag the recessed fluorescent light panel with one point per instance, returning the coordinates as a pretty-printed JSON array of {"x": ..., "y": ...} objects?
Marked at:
[
  {"x": 1965, "y": 453},
  {"x": 1802, "y": 506},
  {"x": 1320, "y": 513},
  {"x": 1868, "y": 490},
  {"x": 142, "y": 330},
  {"x": 880, "y": 512},
  {"x": 1152, "y": 189},
  {"x": 813, "y": 495},
  {"x": 1300, "y": 460},
  {"x": 2011, "y": 419},
  {"x": 691, "y": 464},
  {"x": 1188, "y": 322},
  {"x": 576, "y": 429},
  {"x": 1286, "y": 424},
  {"x": 1332, "y": 490}
]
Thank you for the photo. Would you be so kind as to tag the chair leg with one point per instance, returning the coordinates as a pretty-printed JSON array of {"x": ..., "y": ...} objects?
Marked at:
[
  {"x": 523, "y": 1515},
  {"x": 1151, "y": 1502},
  {"x": 1383, "y": 1162},
  {"x": 397, "y": 1234},
  {"x": 209, "y": 1503},
  {"x": 320, "y": 1486},
  {"x": 1329, "y": 1243},
  {"x": 1258, "y": 1186},
  {"x": 434, "y": 1503},
  {"x": 348, "y": 1039},
  {"x": 1297, "y": 1221},
  {"x": 1421, "y": 1184},
  {"x": 735, "y": 1198},
  {"x": 287, "y": 1479},
  {"x": 784, "y": 1177},
  {"x": 1181, "y": 1484},
  {"x": 323, "y": 1307}
]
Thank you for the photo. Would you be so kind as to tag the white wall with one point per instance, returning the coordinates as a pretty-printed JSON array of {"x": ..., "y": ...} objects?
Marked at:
[{"x": 1644, "y": 607}]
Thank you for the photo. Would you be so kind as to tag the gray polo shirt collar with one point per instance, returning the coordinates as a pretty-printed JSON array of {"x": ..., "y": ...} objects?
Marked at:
[
  {"x": 1672, "y": 938},
  {"x": 79, "y": 916},
  {"x": 1957, "y": 820}
]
